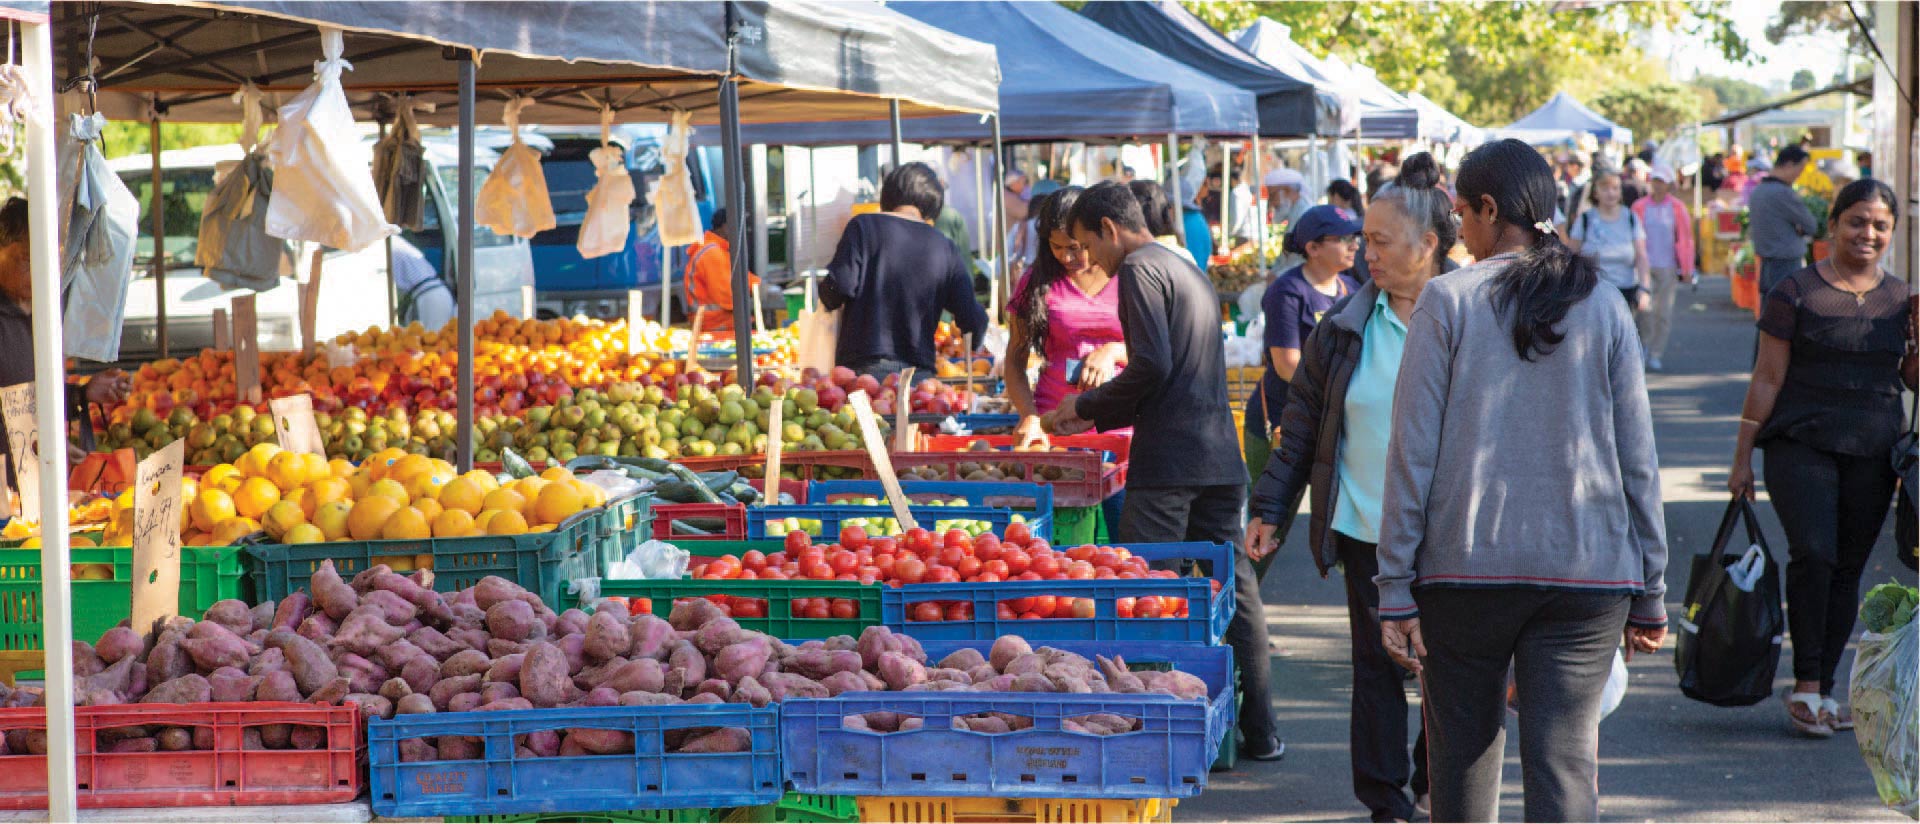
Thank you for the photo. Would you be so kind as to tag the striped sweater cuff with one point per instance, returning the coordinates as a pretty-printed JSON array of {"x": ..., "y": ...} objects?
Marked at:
[
  {"x": 1649, "y": 612},
  {"x": 1396, "y": 601}
]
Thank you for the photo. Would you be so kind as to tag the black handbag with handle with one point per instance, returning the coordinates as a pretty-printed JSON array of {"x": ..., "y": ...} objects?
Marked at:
[
  {"x": 1730, "y": 632},
  {"x": 1906, "y": 499}
]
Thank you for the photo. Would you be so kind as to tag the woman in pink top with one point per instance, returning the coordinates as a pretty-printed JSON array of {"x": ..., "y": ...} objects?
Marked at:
[{"x": 1067, "y": 311}]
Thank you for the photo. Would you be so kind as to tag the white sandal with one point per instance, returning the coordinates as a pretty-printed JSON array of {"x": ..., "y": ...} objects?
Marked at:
[
  {"x": 1830, "y": 715},
  {"x": 1812, "y": 701}
]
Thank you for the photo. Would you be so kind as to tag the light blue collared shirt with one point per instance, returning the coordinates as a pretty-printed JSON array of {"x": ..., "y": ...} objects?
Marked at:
[{"x": 1368, "y": 425}]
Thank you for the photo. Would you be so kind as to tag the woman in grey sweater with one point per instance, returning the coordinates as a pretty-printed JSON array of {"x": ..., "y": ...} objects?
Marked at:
[{"x": 1521, "y": 523}]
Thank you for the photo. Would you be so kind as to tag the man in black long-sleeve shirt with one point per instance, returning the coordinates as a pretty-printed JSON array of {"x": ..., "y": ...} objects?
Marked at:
[{"x": 1186, "y": 479}]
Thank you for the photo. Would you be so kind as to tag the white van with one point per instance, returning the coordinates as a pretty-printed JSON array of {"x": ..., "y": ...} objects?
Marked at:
[{"x": 355, "y": 290}]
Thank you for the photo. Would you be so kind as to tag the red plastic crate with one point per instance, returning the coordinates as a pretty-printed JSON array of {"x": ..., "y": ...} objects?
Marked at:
[
  {"x": 1092, "y": 487},
  {"x": 735, "y": 516},
  {"x": 803, "y": 464},
  {"x": 226, "y": 776},
  {"x": 791, "y": 486},
  {"x": 1119, "y": 445}
]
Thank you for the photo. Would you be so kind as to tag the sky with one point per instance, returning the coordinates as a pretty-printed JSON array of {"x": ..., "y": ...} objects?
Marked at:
[{"x": 1688, "y": 56}]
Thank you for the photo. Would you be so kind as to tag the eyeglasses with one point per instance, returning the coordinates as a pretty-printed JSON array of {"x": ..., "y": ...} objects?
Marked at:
[{"x": 1344, "y": 240}]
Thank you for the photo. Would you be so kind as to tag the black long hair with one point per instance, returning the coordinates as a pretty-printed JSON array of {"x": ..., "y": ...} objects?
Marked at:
[
  {"x": 1536, "y": 291},
  {"x": 1154, "y": 206},
  {"x": 1345, "y": 190},
  {"x": 1864, "y": 189},
  {"x": 1050, "y": 212}
]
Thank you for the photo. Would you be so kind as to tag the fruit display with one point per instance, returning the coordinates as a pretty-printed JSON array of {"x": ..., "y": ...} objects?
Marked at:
[
  {"x": 986, "y": 469},
  {"x": 635, "y": 420},
  {"x": 1233, "y": 278}
]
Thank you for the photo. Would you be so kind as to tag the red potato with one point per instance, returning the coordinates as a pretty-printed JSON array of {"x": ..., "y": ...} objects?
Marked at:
[{"x": 543, "y": 676}]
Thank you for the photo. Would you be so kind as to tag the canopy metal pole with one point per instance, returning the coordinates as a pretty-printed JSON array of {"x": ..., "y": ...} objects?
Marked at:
[
  {"x": 464, "y": 436},
  {"x": 1258, "y": 184},
  {"x": 736, "y": 198},
  {"x": 49, "y": 375},
  {"x": 759, "y": 183},
  {"x": 893, "y": 119},
  {"x": 1226, "y": 197},
  {"x": 979, "y": 204},
  {"x": 813, "y": 217},
  {"x": 393, "y": 299},
  {"x": 666, "y": 276},
  {"x": 1176, "y": 192},
  {"x": 1001, "y": 266},
  {"x": 159, "y": 236}
]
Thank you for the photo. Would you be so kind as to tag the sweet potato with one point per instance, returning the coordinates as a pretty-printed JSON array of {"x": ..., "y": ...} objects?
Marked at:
[
  {"x": 331, "y": 692},
  {"x": 648, "y": 699},
  {"x": 371, "y": 706},
  {"x": 706, "y": 698},
  {"x": 135, "y": 745},
  {"x": 366, "y": 630},
  {"x": 652, "y": 636},
  {"x": 600, "y": 697},
  {"x": 644, "y": 675},
  {"x": 1031, "y": 663},
  {"x": 460, "y": 748},
  {"x": 570, "y": 747},
  {"x": 443, "y": 692},
  {"x": 271, "y": 659},
  {"x": 174, "y": 739},
  {"x": 506, "y": 669},
  {"x": 277, "y": 685},
  {"x": 292, "y": 610},
  {"x": 751, "y": 691},
  {"x": 117, "y": 679},
  {"x": 998, "y": 683},
  {"x": 745, "y": 659},
  {"x": 493, "y": 589},
  {"x": 362, "y": 581},
  {"x": 724, "y": 739},
  {"x": 262, "y": 614},
  {"x": 718, "y": 634},
  {"x": 319, "y": 628},
  {"x": 232, "y": 613},
  {"x": 474, "y": 637},
  {"x": 420, "y": 674},
  {"x": 900, "y": 671},
  {"x": 543, "y": 743},
  {"x": 602, "y": 742},
  {"x": 785, "y": 685},
  {"x": 464, "y": 702},
  {"x": 1006, "y": 649},
  {"x": 191, "y": 688},
  {"x": 511, "y": 620},
  {"x": 821, "y": 663},
  {"x": 111, "y": 735},
  {"x": 501, "y": 705},
  {"x": 499, "y": 647},
  {"x": 606, "y": 637},
  {"x": 394, "y": 656},
  {"x": 876, "y": 640},
  {"x": 415, "y": 704},
  {"x": 835, "y": 684},
  {"x": 168, "y": 661},
  {"x": 543, "y": 676},
  {"x": 230, "y": 685},
  {"x": 574, "y": 620},
  {"x": 592, "y": 676},
  {"x": 944, "y": 674},
  {"x": 118, "y": 643},
  {"x": 574, "y": 648},
  {"x": 1117, "y": 675},
  {"x": 309, "y": 663},
  {"x": 429, "y": 603},
  {"x": 1032, "y": 682},
  {"x": 395, "y": 689},
  {"x": 435, "y": 643},
  {"x": 415, "y": 750},
  {"x": 1178, "y": 684},
  {"x": 396, "y": 609},
  {"x": 963, "y": 659},
  {"x": 85, "y": 661},
  {"x": 686, "y": 660},
  {"x": 981, "y": 672},
  {"x": 331, "y": 594},
  {"x": 465, "y": 662},
  {"x": 212, "y": 646}
]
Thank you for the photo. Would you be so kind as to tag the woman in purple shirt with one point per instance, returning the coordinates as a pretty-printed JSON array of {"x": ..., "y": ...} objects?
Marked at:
[
  {"x": 1067, "y": 311},
  {"x": 1327, "y": 236}
]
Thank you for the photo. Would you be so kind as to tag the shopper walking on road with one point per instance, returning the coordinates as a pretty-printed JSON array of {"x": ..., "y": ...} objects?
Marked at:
[
  {"x": 1611, "y": 236},
  {"x": 1333, "y": 438},
  {"x": 1778, "y": 222},
  {"x": 1836, "y": 341},
  {"x": 1185, "y": 480},
  {"x": 1521, "y": 525},
  {"x": 1669, "y": 248}
]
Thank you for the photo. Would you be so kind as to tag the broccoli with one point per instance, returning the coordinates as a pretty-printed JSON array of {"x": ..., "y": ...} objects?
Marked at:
[{"x": 1888, "y": 606}]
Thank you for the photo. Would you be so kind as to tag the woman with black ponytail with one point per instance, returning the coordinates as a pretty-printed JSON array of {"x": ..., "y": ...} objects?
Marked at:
[
  {"x": 1066, "y": 311},
  {"x": 1521, "y": 524}
]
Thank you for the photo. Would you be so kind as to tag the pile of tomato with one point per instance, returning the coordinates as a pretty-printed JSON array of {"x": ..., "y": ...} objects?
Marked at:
[{"x": 918, "y": 556}]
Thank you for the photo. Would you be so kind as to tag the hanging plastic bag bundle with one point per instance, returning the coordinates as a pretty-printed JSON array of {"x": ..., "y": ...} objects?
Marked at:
[
  {"x": 235, "y": 249},
  {"x": 400, "y": 168},
  {"x": 673, "y": 195},
  {"x": 323, "y": 181},
  {"x": 514, "y": 199},
  {"x": 609, "y": 218},
  {"x": 99, "y": 221},
  {"x": 1882, "y": 689}
]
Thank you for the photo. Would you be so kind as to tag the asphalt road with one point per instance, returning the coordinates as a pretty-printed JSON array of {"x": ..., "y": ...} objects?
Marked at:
[{"x": 1663, "y": 757}]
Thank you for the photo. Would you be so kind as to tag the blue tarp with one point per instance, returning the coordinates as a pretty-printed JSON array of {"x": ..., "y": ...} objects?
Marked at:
[
  {"x": 1289, "y": 105},
  {"x": 1383, "y": 114},
  {"x": 1564, "y": 114},
  {"x": 1062, "y": 77}
]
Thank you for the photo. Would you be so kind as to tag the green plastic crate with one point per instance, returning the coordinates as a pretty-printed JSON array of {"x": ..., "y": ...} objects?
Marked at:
[
  {"x": 779, "y": 596},
  {"x": 207, "y": 575},
  {"x": 1230, "y": 743},
  {"x": 626, "y": 525},
  {"x": 639, "y": 816},
  {"x": 800, "y": 808},
  {"x": 1076, "y": 525}
]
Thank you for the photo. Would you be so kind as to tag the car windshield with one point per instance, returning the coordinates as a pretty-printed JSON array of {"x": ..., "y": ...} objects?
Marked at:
[{"x": 183, "y": 194}]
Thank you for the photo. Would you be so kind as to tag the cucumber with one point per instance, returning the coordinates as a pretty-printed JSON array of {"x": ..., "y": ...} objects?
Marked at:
[
  {"x": 701, "y": 491},
  {"x": 719, "y": 481}
]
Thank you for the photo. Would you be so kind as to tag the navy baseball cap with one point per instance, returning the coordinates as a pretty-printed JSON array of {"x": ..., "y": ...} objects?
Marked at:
[{"x": 1325, "y": 221}]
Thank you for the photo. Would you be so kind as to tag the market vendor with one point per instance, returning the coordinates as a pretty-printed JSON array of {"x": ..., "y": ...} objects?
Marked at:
[
  {"x": 16, "y": 327},
  {"x": 709, "y": 281},
  {"x": 893, "y": 275},
  {"x": 424, "y": 296}
]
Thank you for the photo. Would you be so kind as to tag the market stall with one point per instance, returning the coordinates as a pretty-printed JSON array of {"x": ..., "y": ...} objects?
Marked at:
[{"x": 1562, "y": 118}]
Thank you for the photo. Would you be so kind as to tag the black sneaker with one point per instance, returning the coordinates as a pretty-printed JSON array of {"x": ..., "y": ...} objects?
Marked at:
[{"x": 1275, "y": 750}]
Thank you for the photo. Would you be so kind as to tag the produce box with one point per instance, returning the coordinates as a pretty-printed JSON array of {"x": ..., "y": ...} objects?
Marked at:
[
  {"x": 1119, "y": 445},
  {"x": 845, "y": 463},
  {"x": 1203, "y": 624},
  {"x": 801, "y": 808},
  {"x": 692, "y": 816},
  {"x": 226, "y": 775},
  {"x": 1076, "y": 525},
  {"x": 1078, "y": 477},
  {"x": 501, "y": 782},
  {"x": 1167, "y": 758},
  {"x": 767, "y": 606},
  {"x": 1033, "y": 502},
  {"x": 1036, "y": 810},
  {"x": 543, "y": 562},
  {"x": 831, "y": 517},
  {"x": 207, "y": 574},
  {"x": 732, "y": 518}
]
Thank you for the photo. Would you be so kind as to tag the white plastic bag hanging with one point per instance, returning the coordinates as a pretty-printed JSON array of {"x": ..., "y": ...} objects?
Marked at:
[
  {"x": 400, "y": 168},
  {"x": 18, "y": 103},
  {"x": 323, "y": 185},
  {"x": 99, "y": 221},
  {"x": 673, "y": 195},
  {"x": 235, "y": 249},
  {"x": 514, "y": 199},
  {"x": 604, "y": 230}
]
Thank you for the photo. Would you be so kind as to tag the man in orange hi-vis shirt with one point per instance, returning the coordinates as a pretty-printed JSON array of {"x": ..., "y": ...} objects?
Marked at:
[{"x": 709, "y": 279}]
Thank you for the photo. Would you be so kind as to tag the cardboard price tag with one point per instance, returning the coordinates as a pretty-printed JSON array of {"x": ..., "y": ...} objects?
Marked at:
[
  {"x": 774, "y": 444},
  {"x": 246, "y": 349},
  {"x": 310, "y": 304},
  {"x": 636, "y": 320},
  {"x": 870, "y": 438},
  {"x": 295, "y": 426},
  {"x": 23, "y": 441},
  {"x": 156, "y": 536},
  {"x": 6, "y": 493}
]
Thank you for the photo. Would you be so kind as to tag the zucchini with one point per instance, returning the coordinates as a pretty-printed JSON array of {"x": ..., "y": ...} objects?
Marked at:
[
  {"x": 701, "y": 491},
  {"x": 719, "y": 481}
]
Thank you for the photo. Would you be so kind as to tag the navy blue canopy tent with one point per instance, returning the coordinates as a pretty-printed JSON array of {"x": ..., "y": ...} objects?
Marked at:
[
  {"x": 1062, "y": 77},
  {"x": 1562, "y": 115},
  {"x": 1289, "y": 105}
]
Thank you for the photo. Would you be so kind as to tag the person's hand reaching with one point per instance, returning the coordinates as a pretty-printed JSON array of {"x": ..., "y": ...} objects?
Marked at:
[
  {"x": 1029, "y": 432},
  {"x": 109, "y": 387}
]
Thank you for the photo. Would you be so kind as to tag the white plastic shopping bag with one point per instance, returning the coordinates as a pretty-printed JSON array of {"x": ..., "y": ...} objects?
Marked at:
[
  {"x": 99, "y": 221},
  {"x": 235, "y": 249},
  {"x": 673, "y": 195},
  {"x": 514, "y": 199},
  {"x": 323, "y": 175},
  {"x": 1884, "y": 689},
  {"x": 609, "y": 217},
  {"x": 819, "y": 333}
]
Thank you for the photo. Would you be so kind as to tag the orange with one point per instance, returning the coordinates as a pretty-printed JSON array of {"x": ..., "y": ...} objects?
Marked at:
[
  {"x": 328, "y": 489},
  {"x": 255, "y": 497},
  {"x": 557, "y": 501},
  {"x": 529, "y": 488},
  {"x": 231, "y": 530},
  {"x": 281, "y": 518},
  {"x": 224, "y": 477},
  {"x": 359, "y": 482},
  {"x": 406, "y": 525},
  {"x": 391, "y": 489},
  {"x": 211, "y": 507},
  {"x": 425, "y": 485},
  {"x": 428, "y": 507},
  {"x": 481, "y": 520},
  {"x": 331, "y": 519},
  {"x": 484, "y": 479},
  {"x": 462, "y": 493},
  {"x": 507, "y": 522},
  {"x": 453, "y": 523},
  {"x": 304, "y": 534},
  {"x": 380, "y": 462},
  {"x": 303, "y": 498},
  {"x": 340, "y": 467},
  {"x": 504, "y": 499},
  {"x": 369, "y": 516},
  {"x": 595, "y": 495},
  {"x": 287, "y": 470},
  {"x": 556, "y": 473},
  {"x": 407, "y": 466},
  {"x": 189, "y": 490},
  {"x": 254, "y": 463},
  {"x": 317, "y": 467}
]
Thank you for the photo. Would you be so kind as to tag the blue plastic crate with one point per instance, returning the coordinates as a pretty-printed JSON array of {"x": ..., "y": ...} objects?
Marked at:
[
  {"x": 1167, "y": 758},
  {"x": 831, "y": 516},
  {"x": 500, "y": 782},
  {"x": 1205, "y": 625},
  {"x": 1034, "y": 500}
]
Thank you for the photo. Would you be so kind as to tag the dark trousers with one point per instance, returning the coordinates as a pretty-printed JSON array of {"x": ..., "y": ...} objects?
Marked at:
[
  {"x": 1774, "y": 270},
  {"x": 1560, "y": 648},
  {"x": 1216, "y": 514},
  {"x": 1377, "y": 731},
  {"x": 1832, "y": 507}
]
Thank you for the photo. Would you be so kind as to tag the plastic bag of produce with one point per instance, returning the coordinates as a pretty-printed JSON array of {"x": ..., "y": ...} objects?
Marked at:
[
  {"x": 235, "y": 249},
  {"x": 673, "y": 195},
  {"x": 514, "y": 199},
  {"x": 323, "y": 176},
  {"x": 99, "y": 219},
  {"x": 400, "y": 167},
  {"x": 1886, "y": 711},
  {"x": 604, "y": 230}
]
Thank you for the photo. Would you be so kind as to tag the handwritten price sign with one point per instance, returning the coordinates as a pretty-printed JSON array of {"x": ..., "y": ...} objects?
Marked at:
[
  {"x": 156, "y": 536},
  {"x": 23, "y": 439}
]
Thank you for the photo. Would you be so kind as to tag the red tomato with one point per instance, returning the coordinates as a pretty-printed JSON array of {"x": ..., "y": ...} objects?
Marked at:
[
  {"x": 748, "y": 575},
  {"x": 843, "y": 562},
  {"x": 725, "y": 566},
  {"x": 885, "y": 565},
  {"x": 926, "y": 611},
  {"x": 867, "y": 570},
  {"x": 995, "y": 567},
  {"x": 817, "y": 609},
  {"x": 1149, "y": 606},
  {"x": 796, "y": 541},
  {"x": 1123, "y": 553},
  {"x": 867, "y": 578},
  {"x": 753, "y": 559},
  {"x": 1082, "y": 607},
  {"x": 910, "y": 570},
  {"x": 749, "y": 608},
  {"x": 640, "y": 606},
  {"x": 853, "y": 537},
  {"x": 1038, "y": 544},
  {"x": 1021, "y": 604},
  {"x": 846, "y": 576},
  {"x": 778, "y": 558},
  {"x": 942, "y": 575},
  {"x": 1017, "y": 561},
  {"x": 959, "y": 611},
  {"x": 844, "y": 607},
  {"x": 879, "y": 545},
  {"x": 772, "y": 574},
  {"x": 1063, "y": 608},
  {"x": 986, "y": 547},
  {"x": 1080, "y": 571},
  {"x": 1029, "y": 575},
  {"x": 957, "y": 538},
  {"x": 1031, "y": 616},
  {"x": 818, "y": 571},
  {"x": 1216, "y": 585},
  {"x": 1104, "y": 558},
  {"x": 951, "y": 555},
  {"x": 1103, "y": 573},
  {"x": 1081, "y": 552},
  {"x": 1128, "y": 575},
  {"x": 1018, "y": 534},
  {"x": 1004, "y": 612},
  {"x": 1043, "y": 604},
  {"x": 1176, "y": 607},
  {"x": 1046, "y": 567},
  {"x": 1124, "y": 607},
  {"x": 918, "y": 540},
  {"x": 968, "y": 567}
]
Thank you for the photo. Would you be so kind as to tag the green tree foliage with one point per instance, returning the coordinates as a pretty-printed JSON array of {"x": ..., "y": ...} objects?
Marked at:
[
  {"x": 1653, "y": 111},
  {"x": 124, "y": 137},
  {"x": 1731, "y": 93},
  {"x": 1798, "y": 17},
  {"x": 1802, "y": 81}
]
